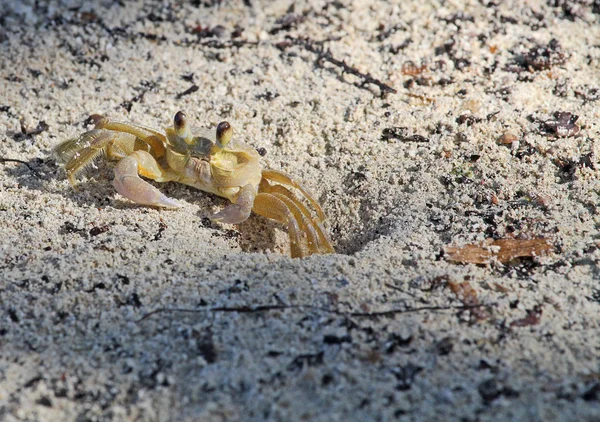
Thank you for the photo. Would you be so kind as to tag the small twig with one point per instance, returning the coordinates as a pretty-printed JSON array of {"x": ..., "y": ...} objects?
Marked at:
[
  {"x": 328, "y": 57},
  {"x": 219, "y": 44},
  {"x": 392, "y": 312},
  {"x": 269, "y": 308},
  {"x": 14, "y": 160},
  {"x": 394, "y": 287}
]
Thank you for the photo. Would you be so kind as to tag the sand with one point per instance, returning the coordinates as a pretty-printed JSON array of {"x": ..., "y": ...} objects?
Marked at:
[{"x": 391, "y": 112}]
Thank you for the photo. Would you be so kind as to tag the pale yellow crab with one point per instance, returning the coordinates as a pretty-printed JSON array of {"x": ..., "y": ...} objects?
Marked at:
[{"x": 210, "y": 161}]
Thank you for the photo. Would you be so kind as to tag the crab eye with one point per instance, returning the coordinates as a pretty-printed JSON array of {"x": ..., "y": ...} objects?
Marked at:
[
  {"x": 179, "y": 120},
  {"x": 224, "y": 133},
  {"x": 181, "y": 128}
]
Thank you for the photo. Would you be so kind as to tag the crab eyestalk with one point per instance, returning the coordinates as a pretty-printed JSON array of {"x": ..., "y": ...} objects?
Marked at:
[
  {"x": 181, "y": 127},
  {"x": 224, "y": 134}
]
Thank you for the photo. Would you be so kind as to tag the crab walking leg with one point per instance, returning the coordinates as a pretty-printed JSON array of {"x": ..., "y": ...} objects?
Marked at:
[
  {"x": 312, "y": 239},
  {"x": 312, "y": 225},
  {"x": 284, "y": 179},
  {"x": 128, "y": 183},
  {"x": 274, "y": 208},
  {"x": 240, "y": 210},
  {"x": 78, "y": 153},
  {"x": 301, "y": 213},
  {"x": 325, "y": 242},
  {"x": 152, "y": 137}
]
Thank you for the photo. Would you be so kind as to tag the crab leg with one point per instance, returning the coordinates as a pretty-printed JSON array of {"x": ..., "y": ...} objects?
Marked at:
[
  {"x": 284, "y": 179},
  {"x": 274, "y": 208},
  {"x": 128, "y": 183},
  {"x": 240, "y": 210},
  {"x": 152, "y": 137},
  {"x": 312, "y": 225},
  {"x": 301, "y": 213},
  {"x": 78, "y": 153}
]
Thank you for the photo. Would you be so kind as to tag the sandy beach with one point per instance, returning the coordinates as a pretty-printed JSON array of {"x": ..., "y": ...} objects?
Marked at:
[{"x": 454, "y": 147}]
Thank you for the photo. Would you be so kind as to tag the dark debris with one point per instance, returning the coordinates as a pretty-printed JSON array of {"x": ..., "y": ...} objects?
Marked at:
[
  {"x": 571, "y": 10},
  {"x": 540, "y": 57},
  {"x": 134, "y": 300},
  {"x": 491, "y": 389},
  {"x": 261, "y": 151},
  {"x": 563, "y": 125},
  {"x": 395, "y": 341},
  {"x": 287, "y": 22},
  {"x": 405, "y": 375},
  {"x": 162, "y": 226},
  {"x": 587, "y": 94},
  {"x": 143, "y": 88},
  {"x": 217, "y": 31},
  {"x": 95, "y": 231},
  {"x": 267, "y": 96},
  {"x": 533, "y": 317},
  {"x": 401, "y": 134},
  {"x": 27, "y": 132},
  {"x": 310, "y": 359},
  {"x": 188, "y": 91},
  {"x": 387, "y": 32}
]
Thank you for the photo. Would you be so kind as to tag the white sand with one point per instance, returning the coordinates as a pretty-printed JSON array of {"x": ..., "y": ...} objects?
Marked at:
[{"x": 71, "y": 345}]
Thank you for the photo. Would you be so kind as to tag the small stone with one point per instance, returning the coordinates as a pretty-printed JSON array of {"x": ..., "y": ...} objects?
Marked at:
[{"x": 507, "y": 138}]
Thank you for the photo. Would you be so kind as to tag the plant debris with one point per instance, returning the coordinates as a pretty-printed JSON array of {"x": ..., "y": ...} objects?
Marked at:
[
  {"x": 326, "y": 56},
  {"x": 504, "y": 250},
  {"x": 468, "y": 296},
  {"x": 533, "y": 317},
  {"x": 387, "y": 313}
]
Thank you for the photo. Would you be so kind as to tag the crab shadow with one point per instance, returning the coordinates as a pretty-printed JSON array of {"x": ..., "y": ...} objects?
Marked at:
[
  {"x": 253, "y": 235},
  {"x": 38, "y": 174},
  {"x": 256, "y": 234}
]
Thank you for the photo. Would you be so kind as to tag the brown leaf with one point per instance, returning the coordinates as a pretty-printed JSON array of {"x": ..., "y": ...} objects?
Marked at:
[{"x": 505, "y": 250}]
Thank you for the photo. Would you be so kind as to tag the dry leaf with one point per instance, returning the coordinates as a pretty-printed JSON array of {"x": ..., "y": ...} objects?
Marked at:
[{"x": 505, "y": 250}]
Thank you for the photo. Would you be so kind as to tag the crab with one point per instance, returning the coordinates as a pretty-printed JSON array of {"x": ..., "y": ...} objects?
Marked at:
[{"x": 211, "y": 161}]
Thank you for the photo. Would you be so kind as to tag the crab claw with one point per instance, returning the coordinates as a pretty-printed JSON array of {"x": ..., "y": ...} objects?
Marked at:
[
  {"x": 128, "y": 183},
  {"x": 240, "y": 211}
]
